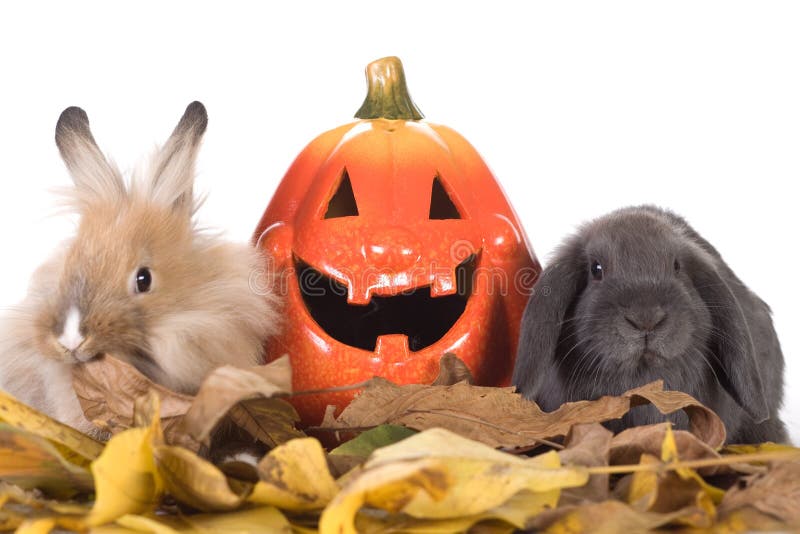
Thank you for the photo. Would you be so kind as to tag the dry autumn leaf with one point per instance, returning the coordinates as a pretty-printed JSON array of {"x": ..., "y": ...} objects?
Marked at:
[
  {"x": 26, "y": 418},
  {"x": 502, "y": 418},
  {"x": 665, "y": 492},
  {"x": 432, "y": 481},
  {"x": 440, "y": 475},
  {"x": 125, "y": 477},
  {"x": 109, "y": 389},
  {"x": 775, "y": 493},
  {"x": 43, "y": 525},
  {"x": 608, "y": 517},
  {"x": 630, "y": 444},
  {"x": 247, "y": 395},
  {"x": 452, "y": 370},
  {"x": 587, "y": 445},
  {"x": 30, "y": 461},
  {"x": 262, "y": 519},
  {"x": 509, "y": 517},
  {"x": 295, "y": 477},
  {"x": 194, "y": 481},
  {"x": 353, "y": 453},
  {"x": 670, "y": 454}
]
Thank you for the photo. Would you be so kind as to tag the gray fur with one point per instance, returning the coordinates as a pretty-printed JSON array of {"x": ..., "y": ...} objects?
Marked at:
[{"x": 699, "y": 328}]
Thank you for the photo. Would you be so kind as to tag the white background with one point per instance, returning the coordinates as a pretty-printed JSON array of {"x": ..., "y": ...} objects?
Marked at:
[{"x": 579, "y": 108}]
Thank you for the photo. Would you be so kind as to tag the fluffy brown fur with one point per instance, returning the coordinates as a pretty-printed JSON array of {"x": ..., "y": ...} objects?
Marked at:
[{"x": 201, "y": 310}]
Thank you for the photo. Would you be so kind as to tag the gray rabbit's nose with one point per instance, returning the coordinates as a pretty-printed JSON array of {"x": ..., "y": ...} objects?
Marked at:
[{"x": 646, "y": 319}]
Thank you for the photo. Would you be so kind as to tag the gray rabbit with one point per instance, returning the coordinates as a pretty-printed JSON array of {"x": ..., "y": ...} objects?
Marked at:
[{"x": 635, "y": 296}]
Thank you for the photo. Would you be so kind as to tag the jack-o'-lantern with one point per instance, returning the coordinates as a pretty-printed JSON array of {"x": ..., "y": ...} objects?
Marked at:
[{"x": 396, "y": 245}]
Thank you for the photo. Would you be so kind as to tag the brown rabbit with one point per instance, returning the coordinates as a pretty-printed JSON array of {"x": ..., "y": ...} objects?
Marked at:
[{"x": 138, "y": 281}]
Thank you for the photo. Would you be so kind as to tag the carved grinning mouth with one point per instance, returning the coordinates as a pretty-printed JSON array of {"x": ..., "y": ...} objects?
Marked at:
[{"x": 423, "y": 319}]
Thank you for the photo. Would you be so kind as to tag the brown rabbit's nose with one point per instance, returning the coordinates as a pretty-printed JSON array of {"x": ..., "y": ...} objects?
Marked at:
[{"x": 647, "y": 319}]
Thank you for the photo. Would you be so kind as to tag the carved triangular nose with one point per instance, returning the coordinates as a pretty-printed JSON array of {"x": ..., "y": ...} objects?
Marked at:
[
  {"x": 391, "y": 247},
  {"x": 646, "y": 319}
]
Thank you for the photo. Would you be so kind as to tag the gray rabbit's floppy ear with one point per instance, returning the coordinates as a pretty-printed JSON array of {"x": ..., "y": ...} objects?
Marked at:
[
  {"x": 555, "y": 292},
  {"x": 172, "y": 170},
  {"x": 731, "y": 338},
  {"x": 95, "y": 178}
]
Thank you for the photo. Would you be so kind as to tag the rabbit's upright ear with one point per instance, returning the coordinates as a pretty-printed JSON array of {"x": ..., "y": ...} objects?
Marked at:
[
  {"x": 555, "y": 292},
  {"x": 731, "y": 338},
  {"x": 95, "y": 178},
  {"x": 172, "y": 170}
]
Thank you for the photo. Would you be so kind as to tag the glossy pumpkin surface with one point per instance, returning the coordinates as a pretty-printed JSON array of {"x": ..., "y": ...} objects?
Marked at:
[{"x": 394, "y": 245}]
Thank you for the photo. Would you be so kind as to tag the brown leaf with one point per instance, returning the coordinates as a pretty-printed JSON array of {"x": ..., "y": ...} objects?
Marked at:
[
  {"x": 666, "y": 492},
  {"x": 248, "y": 395},
  {"x": 194, "y": 481},
  {"x": 599, "y": 518},
  {"x": 776, "y": 494},
  {"x": 628, "y": 446},
  {"x": 587, "y": 445},
  {"x": 502, "y": 418},
  {"x": 271, "y": 421},
  {"x": 452, "y": 370},
  {"x": 108, "y": 389},
  {"x": 703, "y": 422}
]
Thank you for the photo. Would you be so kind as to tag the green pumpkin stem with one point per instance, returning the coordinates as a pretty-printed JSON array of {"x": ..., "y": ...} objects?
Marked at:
[{"x": 387, "y": 94}]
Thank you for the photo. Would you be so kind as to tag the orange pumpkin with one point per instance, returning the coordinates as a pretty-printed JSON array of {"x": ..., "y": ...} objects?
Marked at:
[{"x": 396, "y": 246}]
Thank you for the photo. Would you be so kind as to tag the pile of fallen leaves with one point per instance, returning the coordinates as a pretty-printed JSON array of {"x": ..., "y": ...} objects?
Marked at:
[{"x": 447, "y": 457}]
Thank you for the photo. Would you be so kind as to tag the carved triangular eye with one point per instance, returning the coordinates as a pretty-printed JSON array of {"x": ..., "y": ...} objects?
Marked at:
[
  {"x": 442, "y": 206},
  {"x": 343, "y": 202}
]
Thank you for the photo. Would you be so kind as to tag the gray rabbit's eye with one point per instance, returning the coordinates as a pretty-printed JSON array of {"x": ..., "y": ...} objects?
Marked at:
[
  {"x": 677, "y": 266},
  {"x": 597, "y": 270},
  {"x": 144, "y": 279}
]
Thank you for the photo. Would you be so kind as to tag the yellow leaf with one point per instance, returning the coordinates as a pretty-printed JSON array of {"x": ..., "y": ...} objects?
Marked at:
[
  {"x": 10, "y": 521},
  {"x": 669, "y": 454},
  {"x": 33, "y": 462},
  {"x": 26, "y": 418},
  {"x": 194, "y": 481},
  {"x": 125, "y": 477},
  {"x": 27, "y": 501},
  {"x": 43, "y": 525},
  {"x": 262, "y": 519},
  {"x": 295, "y": 476},
  {"x": 37, "y": 526},
  {"x": 757, "y": 448},
  {"x": 644, "y": 484},
  {"x": 140, "y": 523},
  {"x": 72, "y": 456},
  {"x": 440, "y": 475},
  {"x": 607, "y": 517},
  {"x": 511, "y": 516}
]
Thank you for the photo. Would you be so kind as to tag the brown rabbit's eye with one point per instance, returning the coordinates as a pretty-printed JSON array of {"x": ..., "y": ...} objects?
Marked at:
[
  {"x": 596, "y": 270},
  {"x": 143, "y": 280},
  {"x": 677, "y": 265}
]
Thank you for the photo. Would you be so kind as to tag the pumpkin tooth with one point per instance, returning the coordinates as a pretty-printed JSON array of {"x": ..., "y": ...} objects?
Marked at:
[
  {"x": 392, "y": 347},
  {"x": 444, "y": 284},
  {"x": 358, "y": 294}
]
